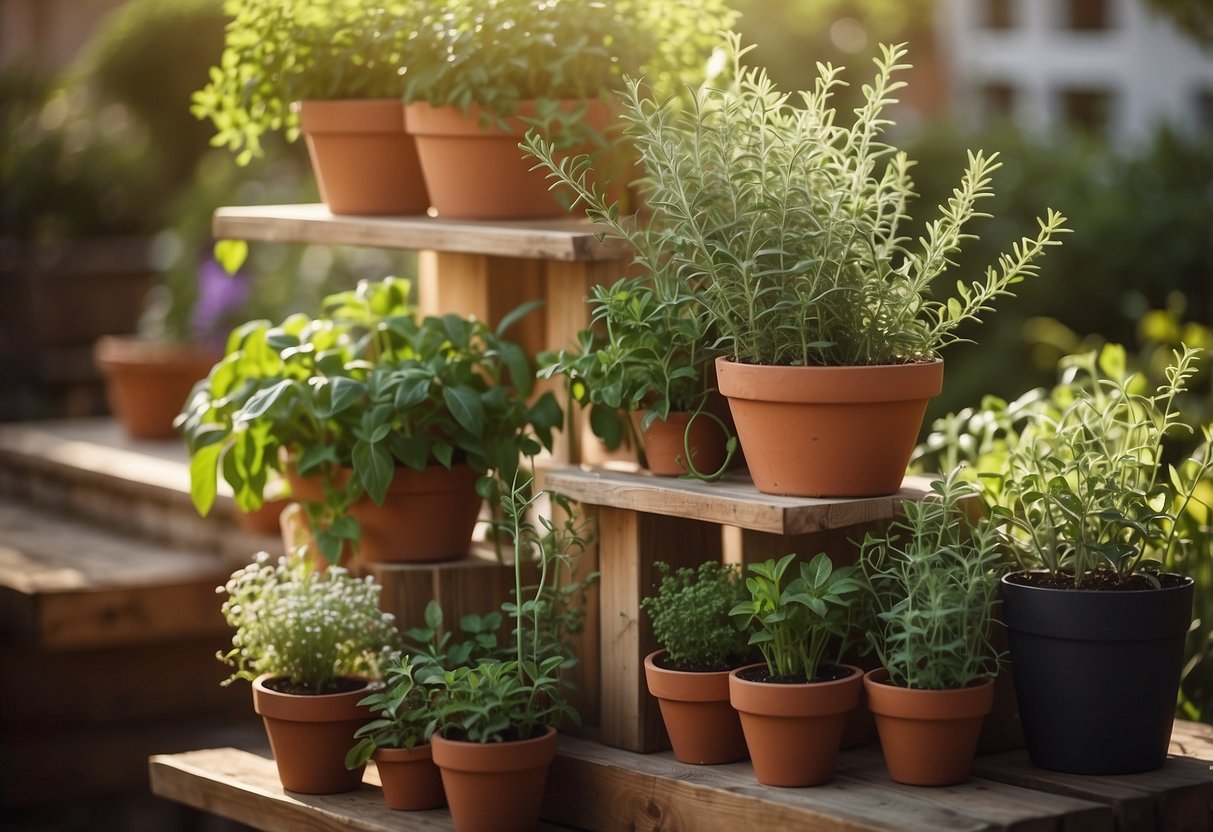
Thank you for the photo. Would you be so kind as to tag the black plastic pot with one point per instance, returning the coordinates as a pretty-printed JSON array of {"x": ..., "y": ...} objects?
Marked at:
[{"x": 1097, "y": 673}]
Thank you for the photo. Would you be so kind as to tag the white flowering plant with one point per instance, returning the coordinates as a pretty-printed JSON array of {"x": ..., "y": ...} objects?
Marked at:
[{"x": 307, "y": 626}]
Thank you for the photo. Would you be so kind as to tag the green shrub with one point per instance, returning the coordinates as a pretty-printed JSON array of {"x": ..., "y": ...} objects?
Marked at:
[{"x": 690, "y": 615}]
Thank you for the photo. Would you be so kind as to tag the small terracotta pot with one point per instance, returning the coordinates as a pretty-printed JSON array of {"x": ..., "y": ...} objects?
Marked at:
[
  {"x": 496, "y": 786},
  {"x": 411, "y": 782},
  {"x": 828, "y": 431},
  {"x": 148, "y": 382},
  {"x": 473, "y": 172},
  {"x": 427, "y": 516},
  {"x": 665, "y": 446},
  {"x": 793, "y": 731},
  {"x": 310, "y": 736},
  {"x": 928, "y": 737},
  {"x": 364, "y": 161},
  {"x": 703, "y": 727}
]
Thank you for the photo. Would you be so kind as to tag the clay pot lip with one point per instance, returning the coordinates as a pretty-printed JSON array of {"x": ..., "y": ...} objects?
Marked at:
[
  {"x": 405, "y": 480},
  {"x": 491, "y": 757},
  {"x": 827, "y": 385},
  {"x": 685, "y": 685},
  {"x": 886, "y": 699},
  {"x": 416, "y": 754},
  {"x": 136, "y": 352},
  {"x": 424, "y": 119},
  {"x": 325, "y": 707},
  {"x": 351, "y": 115},
  {"x": 796, "y": 699}
]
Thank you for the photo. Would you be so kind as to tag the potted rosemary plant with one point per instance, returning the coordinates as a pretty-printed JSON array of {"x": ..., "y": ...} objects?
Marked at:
[
  {"x": 333, "y": 70},
  {"x": 794, "y": 705},
  {"x": 1097, "y": 615},
  {"x": 367, "y": 403},
  {"x": 480, "y": 74},
  {"x": 789, "y": 227},
  {"x": 310, "y": 642},
  {"x": 700, "y": 645},
  {"x": 932, "y": 578}
]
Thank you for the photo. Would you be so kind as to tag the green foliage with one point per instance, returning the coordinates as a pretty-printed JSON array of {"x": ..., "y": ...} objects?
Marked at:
[
  {"x": 1085, "y": 489},
  {"x": 1193, "y": 16},
  {"x": 277, "y": 52},
  {"x": 308, "y": 626},
  {"x": 497, "y": 53},
  {"x": 690, "y": 615},
  {"x": 434, "y": 649},
  {"x": 789, "y": 227},
  {"x": 793, "y": 623},
  {"x": 367, "y": 386},
  {"x": 403, "y": 718},
  {"x": 520, "y": 697},
  {"x": 933, "y": 581}
]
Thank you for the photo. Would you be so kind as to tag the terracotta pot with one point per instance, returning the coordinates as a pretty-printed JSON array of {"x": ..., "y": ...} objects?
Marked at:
[
  {"x": 828, "y": 431},
  {"x": 310, "y": 736},
  {"x": 265, "y": 520},
  {"x": 411, "y": 781},
  {"x": 364, "y": 161},
  {"x": 497, "y": 786},
  {"x": 148, "y": 382},
  {"x": 928, "y": 737},
  {"x": 703, "y": 727},
  {"x": 793, "y": 731},
  {"x": 478, "y": 173},
  {"x": 426, "y": 516},
  {"x": 665, "y": 449}
]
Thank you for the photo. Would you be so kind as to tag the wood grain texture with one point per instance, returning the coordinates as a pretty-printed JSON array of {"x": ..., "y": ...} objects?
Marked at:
[
  {"x": 559, "y": 239},
  {"x": 244, "y": 787},
  {"x": 733, "y": 501}
]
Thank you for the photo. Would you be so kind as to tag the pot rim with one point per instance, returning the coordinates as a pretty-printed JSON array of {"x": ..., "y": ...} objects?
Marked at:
[
  {"x": 973, "y": 700},
  {"x": 829, "y": 384},
  {"x": 797, "y": 698},
  {"x": 1187, "y": 581},
  {"x": 491, "y": 757}
]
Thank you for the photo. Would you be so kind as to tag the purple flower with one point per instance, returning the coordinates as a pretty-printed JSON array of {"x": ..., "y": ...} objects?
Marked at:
[{"x": 219, "y": 295}]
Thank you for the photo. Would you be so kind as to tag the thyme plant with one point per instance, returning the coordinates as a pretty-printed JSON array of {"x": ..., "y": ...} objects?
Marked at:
[
  {"x": 690, "y": 615},
  {"x": 308, "y": 626},
  {"x": 1086, "y": 494},
  {"x": 933, "y": 581},
  {"x": 790, "y": 227}
]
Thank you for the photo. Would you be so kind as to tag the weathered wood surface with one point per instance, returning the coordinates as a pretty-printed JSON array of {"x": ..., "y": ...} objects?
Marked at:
[
  {"x": 244, "y": 787},
  {"x": 556, "y": 239},
  {"x": 88, "y": 469},
  {"x": 733, "y": 501}
]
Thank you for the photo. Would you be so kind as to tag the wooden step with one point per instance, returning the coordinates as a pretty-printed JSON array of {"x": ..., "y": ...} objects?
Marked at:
[{"x": 595, "y": 787}]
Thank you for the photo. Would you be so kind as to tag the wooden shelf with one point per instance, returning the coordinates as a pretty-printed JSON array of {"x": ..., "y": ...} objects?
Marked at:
[
  {"x": 558, "y": 239},
  {"x": 733, "y": 501},
  {"x": 594, "y": 787}
]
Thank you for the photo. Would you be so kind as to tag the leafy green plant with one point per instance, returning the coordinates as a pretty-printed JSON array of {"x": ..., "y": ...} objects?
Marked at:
[
  {"x": 277, "y": 52},
  {"x": 308, "y": 626},
  {"x": 500, "y": 700},
  {"x": 1085, "y": 493},
  {"x": 403, "y": 718},
  {"x": 793, "y": 623},
  {"x": 434, "y": 649},
  {"x": 933, "y": 581},
  {"x": 789, "y": 227},
  {"x": 495, "y": 54},
  {"x": 690, "y": 614},
  {"x": 366, "y": 386}
]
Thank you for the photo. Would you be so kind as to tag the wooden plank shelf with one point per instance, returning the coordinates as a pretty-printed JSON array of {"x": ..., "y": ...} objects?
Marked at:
[
  {"x": 594, "y": 787},
  {"x": 555, "y": 239}
]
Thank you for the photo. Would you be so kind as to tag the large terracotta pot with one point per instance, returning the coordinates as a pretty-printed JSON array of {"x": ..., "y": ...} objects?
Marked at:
[
  {"x": 148, "y": 382},
  {"x": 310, "y": 735},
  {"x": 828, "y": 431},
  {"x": 426, "y": 516},
  {"x": 473, "y": 172},
  {"x": 1097, "y": 672},
  {"x": 703, "y": 727},
  {"x": 794, "y": 731},
  {"x": 496, "y": 786},
  {"x": 928, "y": 737},
  {"x": 411, "y": 782},
  {"x": 364, "y": 161},
  {"x": 665, "y": 446}
]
